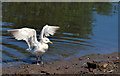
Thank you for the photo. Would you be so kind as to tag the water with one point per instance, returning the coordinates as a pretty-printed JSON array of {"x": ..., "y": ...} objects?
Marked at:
[{"x": 85, "y": 28}]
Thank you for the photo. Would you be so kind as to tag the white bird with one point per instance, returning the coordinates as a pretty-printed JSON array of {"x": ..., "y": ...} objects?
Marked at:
[{"x": 29, "y": 35}]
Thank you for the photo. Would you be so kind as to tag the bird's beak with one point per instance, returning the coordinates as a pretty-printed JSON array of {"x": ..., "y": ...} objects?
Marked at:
[{"x": 50, "y": 42}]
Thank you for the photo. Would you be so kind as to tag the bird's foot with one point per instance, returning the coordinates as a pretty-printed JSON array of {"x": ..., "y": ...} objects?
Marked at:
[
  {"x": 42, "y": 63},
  {"x": 38, "y": 63},
  {"x": 28, "y": 49}
]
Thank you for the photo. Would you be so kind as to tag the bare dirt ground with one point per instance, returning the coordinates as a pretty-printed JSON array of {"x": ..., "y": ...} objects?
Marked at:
[{"x": 89, "y": 64}]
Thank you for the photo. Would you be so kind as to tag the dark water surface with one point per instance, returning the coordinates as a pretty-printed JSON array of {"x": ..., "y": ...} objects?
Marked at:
[{"x": 85, "y": 28}]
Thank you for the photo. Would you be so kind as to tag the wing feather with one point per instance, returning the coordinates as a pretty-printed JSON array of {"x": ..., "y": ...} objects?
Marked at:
[
  {"x": 27, "y": 34},
  {"x": 48, "y": 30}
]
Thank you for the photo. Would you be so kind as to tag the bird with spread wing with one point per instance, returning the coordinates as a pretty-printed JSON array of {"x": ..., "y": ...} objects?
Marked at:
[{"x": 29, "y": 35}]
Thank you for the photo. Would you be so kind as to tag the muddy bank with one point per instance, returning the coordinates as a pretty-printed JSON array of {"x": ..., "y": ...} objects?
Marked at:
[{"x": 89, "y": 64}]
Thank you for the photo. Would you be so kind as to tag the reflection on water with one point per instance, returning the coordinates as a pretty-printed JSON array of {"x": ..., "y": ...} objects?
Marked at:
[{"x": 85, "y": 28}]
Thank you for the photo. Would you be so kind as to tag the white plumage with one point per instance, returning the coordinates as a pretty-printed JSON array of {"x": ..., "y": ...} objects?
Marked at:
[{"x": 29, "y": 35}]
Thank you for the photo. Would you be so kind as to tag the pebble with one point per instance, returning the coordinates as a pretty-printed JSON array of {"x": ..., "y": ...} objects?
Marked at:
[
  {"x": 104, "y": 70},
  {"x": 88, "y": 58},
  {"x": 51, "y": 63},
  {"x": 57, "y": 68},
  {"x": 80, "y": 58},
  {"x": 91, "y": 64},
  {"x": 76, "y": 64},
  {"x": 105, "y": 65},
  {"x": 110, "y": 71},
  {"x": 117, "y": 57},
  {"x": 66, "y": 67}
]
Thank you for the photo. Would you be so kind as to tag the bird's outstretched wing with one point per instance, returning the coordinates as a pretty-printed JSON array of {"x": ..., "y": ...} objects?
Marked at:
[
  {"x": 27, "y": 34},
  {"x": 47, "y": 31}
]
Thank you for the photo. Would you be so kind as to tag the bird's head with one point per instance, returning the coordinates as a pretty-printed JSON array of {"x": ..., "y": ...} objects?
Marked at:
[{"x": 46, "y": 40}]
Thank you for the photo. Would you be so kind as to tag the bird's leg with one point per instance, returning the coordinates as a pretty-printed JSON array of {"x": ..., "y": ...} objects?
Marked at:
[
  {"x": 38, "y": 60},
  {"x": 41, "y": 59}
]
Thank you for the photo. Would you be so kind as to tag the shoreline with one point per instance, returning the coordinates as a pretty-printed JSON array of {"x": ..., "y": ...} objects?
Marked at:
[{"x": 89, "y": 64}]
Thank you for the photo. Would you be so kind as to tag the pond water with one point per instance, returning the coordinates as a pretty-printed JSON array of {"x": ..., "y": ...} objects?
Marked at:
[{"x": 85, "y": 28}]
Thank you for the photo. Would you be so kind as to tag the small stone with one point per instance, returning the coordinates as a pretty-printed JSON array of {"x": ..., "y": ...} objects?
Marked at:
[
  {"x": 57, "y": 68},
  {"x": 110, "y": 71},
  {"x": 50, "y": 63},
  {"x": 66, "y": 67},
  {"x": 88, "y": 58},
  {"x": 105, "y": 65},
  {"x": 43, "y": 72},
  {"x": 114, "y": 65},
  {"x": 76, "y": 64},
  {"x": 27, "y": 66},
  {"x": 104, "y": 70},
  {"x": 47, "y": 73},
  {"x": 117, "y": 57},
  {"x": 84, "y": 64},
  {"x": 91, "y": 64},
  {"x": 80, "y": 58},
  {"x": 23, "y": 67}
]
